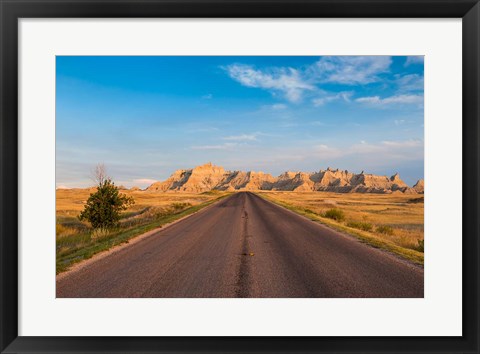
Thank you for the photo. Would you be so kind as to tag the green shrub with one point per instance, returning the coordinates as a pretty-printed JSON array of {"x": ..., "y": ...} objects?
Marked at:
[
  {"x": 420, "y": 246},
  {"x": 335, "y": 214},
  {"x": 362, "y": 225},
  {"x": 104, "y": 206},
  {"x": 385, "y": 229}
]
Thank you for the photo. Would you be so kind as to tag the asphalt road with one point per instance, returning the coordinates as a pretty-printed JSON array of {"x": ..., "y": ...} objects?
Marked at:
[{"x": 245, "y": 246}]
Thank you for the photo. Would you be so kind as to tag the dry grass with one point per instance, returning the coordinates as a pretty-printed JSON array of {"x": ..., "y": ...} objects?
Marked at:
[
  {"x": 395, "y": 219},
  {"x": 393, "y": 222},
  {"x": 70, "y": 202},
  {"x": 148, "y": 206}
]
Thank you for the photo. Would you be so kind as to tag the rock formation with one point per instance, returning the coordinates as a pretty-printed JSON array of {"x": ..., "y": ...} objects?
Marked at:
[
  {"x": 210, "y": 177},
  {"x": 419, "y": 186}
]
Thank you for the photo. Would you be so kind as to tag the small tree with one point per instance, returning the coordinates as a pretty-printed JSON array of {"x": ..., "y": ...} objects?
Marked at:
[{"x": 104, "y": 206}]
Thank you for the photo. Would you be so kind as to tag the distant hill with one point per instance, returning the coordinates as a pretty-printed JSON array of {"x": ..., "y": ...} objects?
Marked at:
[{"x": 210, "y": 177}]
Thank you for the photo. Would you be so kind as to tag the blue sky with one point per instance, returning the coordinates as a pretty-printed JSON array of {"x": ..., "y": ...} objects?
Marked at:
[{"x": 144, "y": 117}]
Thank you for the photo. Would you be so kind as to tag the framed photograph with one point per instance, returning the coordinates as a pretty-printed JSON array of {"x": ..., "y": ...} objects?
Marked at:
[{"x": 221, "y": 176}]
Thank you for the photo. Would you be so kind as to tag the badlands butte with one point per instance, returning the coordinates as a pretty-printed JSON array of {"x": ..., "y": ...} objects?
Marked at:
[{"x": 209, "y": 177}]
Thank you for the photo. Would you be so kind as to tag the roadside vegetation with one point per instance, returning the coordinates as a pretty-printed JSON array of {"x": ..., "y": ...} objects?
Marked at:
[
  {"x": 335, "y": 214},
  {"x": 104, "y": 206},
  {"x": 391, "y": 222},
  {"x": 90, "y": 221}
]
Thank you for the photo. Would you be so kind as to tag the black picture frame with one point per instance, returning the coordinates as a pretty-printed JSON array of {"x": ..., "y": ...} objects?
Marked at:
[{"x": 11, "y": 11}]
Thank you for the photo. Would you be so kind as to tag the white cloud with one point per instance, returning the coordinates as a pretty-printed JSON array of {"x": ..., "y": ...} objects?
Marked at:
[
  {"x": 208, "y": 96},
  {"x": 399, "y": 121},
  {"x": 411, "y": 82},
  {"x": 287, "y": 81},
  {"x": 288, "y": 125},
  {"x": 364, "y": 148},
  {"x": 392, "y": 100},
  {"x": 242, "y": 137},
  {"x": 325, "y": 151},
  {"x": 225, "y": 146},
  {"x": 365, "y": 154},
  {"x": 273, "y": 107},
  {"x": 350, "y": 70},
  {"x": 414, "y": 59},
  {"x": 320, "y": 101},
  {"x": 404, "y": 143},
  {"x": 279, "y": 106},
  {"x": 323, "y": 100},
  {"x": 385, "y": 152},
  {"x": 384, "y": 148},
  {"x": 203, "y": 130},
  {"x": 293, "y": 83}
]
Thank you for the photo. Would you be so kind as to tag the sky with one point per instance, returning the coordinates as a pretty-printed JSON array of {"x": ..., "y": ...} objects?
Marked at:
[{"x": 145, "y": 117}]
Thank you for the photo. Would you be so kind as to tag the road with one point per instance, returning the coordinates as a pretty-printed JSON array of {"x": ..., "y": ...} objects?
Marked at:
[{"x": 245, "y": 246}]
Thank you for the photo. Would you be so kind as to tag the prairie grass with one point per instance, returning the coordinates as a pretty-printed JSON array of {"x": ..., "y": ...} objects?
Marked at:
[
  {"x": 361, "y": 225},
  {"x": 385, "y": 229},
  {"x": 390, "y": 221},
  {"x": 76, "y": 240},
  {"x": 100, "y": 232},
  {"x": 64, "y": 231},
  {"x": 335, "y": 214},
  {"x": 70, "y": 202}
]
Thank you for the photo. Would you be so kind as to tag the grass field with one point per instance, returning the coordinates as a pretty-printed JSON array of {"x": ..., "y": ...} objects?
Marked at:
[
  {"x": 76, "y": 240},
  {"x": 390, "y": 221}
]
